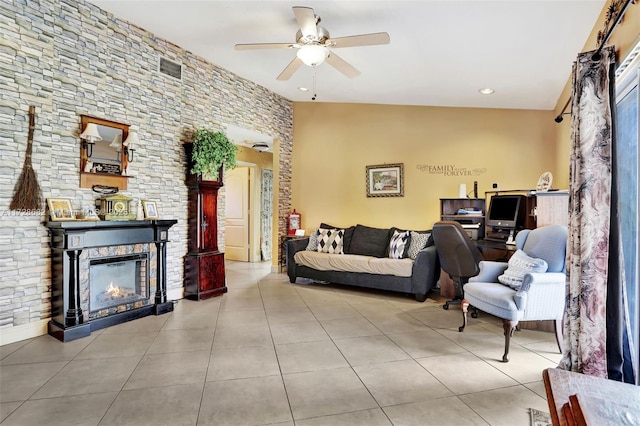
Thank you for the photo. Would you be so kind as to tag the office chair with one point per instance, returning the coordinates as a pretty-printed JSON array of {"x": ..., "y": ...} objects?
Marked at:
[{"x": 458, "y": 254}]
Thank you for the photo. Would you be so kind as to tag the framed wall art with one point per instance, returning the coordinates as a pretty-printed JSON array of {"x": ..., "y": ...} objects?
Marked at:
[
  {"x": 150, "y": 209},
  {"x": 385, "y": 180},
  {"x": 60, "y": 209}
]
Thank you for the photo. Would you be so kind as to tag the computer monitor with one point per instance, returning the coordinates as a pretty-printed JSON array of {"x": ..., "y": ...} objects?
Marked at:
[{"x": 506, "y": 211}]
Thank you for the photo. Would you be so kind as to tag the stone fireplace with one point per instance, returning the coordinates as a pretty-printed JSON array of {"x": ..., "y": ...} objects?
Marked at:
[{"x": 105, "y": 273}]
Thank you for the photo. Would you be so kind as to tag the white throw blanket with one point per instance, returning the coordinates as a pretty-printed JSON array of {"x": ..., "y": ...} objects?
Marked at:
[{"x": 354, "y": 263}]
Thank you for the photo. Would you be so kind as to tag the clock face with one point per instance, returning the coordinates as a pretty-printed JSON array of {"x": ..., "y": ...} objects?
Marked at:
[
  {"x": 295, "y": 222},
  {"x": 119, "y": 207}
]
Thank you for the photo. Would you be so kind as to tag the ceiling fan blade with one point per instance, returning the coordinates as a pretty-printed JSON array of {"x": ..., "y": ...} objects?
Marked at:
[
  {"x": 265, "y": 46},
  {"x": 290, "y": 69},
  {"x": 307, "y": 21},
  {"x": 341, "y": 65},
  {"x": 359, "y": 40}
]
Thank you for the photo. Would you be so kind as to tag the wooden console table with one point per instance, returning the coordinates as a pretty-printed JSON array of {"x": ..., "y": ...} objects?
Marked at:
[{"x": 578, "y": 399}]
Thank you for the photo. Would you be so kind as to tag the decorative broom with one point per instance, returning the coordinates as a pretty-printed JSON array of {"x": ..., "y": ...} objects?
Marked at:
[{"x": 27, "y": 194}]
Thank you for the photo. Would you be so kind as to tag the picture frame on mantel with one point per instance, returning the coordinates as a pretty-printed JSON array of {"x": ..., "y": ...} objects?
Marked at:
[
  {"x": 150, "y": 209},
  {"x": 385, "y": 180},
  {"x": 60, "y": 209}
]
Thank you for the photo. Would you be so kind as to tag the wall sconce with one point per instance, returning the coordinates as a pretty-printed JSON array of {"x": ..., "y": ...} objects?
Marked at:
[
  {"x": 89, "y": 137},
  {"x": 128, "y": 144}
]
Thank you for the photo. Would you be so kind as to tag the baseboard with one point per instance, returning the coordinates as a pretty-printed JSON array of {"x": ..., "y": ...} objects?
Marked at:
[
  {"x": 278, "y": 269},
  {"x": 175, "y": 293},
  {"x": 23, "y": 332}
]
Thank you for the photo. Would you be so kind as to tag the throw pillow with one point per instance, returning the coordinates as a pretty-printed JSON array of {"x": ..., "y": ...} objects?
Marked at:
[
  {"x": 348, "y": 234},
  {"x": 519, "y": 265},
  {"x": 417, "y": 243},
  {"x": 313, "y": 241},
  {"x": 368, "y": 241},
  {"x": 399, "y": 245},
  {"x": 330, "y": 241}
]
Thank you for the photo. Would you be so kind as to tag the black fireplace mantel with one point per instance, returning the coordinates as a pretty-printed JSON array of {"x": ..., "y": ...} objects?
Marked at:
[{"x": 68, "y": 239}]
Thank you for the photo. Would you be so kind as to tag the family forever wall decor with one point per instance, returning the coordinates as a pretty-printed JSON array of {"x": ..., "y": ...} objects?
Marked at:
[{"x": 385, "y": 180}]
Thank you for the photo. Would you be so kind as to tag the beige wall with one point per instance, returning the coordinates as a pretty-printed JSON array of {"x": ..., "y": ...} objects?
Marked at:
[{"x": 333, "y": 143}]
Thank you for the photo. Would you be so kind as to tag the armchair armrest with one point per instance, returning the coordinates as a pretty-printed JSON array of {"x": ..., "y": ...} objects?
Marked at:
[
  {"x": 542, "y": 295},
  {"x": 489, "y": 271}
]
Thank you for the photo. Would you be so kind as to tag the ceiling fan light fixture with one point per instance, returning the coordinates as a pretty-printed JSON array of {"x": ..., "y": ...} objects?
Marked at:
[
  {"x": 313, "y": 54},
  {"x": 260, "y": 146}
]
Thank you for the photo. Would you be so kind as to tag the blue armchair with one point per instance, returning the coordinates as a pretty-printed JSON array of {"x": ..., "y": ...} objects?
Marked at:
[{"x": 515, "y": 292}]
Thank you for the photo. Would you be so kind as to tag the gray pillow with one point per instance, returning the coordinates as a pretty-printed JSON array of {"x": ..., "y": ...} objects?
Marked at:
[
  {"x": 368, "y": 241},
  {"x": 313, "y": 241},
  {"x": 519, "y": 265},
  {"x": 417, "y": 243}
]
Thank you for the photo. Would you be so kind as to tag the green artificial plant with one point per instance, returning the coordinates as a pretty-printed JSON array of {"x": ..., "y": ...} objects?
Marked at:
[{"x": 210, "y": 151}]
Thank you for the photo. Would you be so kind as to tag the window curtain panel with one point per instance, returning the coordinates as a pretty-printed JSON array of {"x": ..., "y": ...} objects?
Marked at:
[
  {"x": 596, "y": 322},
  {"x": 266, "y": 213}
]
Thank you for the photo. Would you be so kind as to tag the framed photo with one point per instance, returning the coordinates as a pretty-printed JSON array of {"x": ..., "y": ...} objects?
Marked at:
[
  {"x": 60, "y": 209},
  {"x": 150, "y": 209},
  {"x": 385, "y": 180}
]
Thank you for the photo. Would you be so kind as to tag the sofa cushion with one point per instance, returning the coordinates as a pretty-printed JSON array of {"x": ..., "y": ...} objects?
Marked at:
[
  {"x": 354, "y": 263},
  {"x": 368, "y": 241},
  {"x": 399, "y": 244},
  {"x": 418, "y": 242},
  {"x": 330, "y": 240},
  {"x": 519, "y": 265},
  {"x": 346, "y": 238}
]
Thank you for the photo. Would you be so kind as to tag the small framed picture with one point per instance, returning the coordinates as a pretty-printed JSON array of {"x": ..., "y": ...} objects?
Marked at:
[
  {"x": 150, "y": 209},
  {"x": 385, "y": 180},
  {"x": 60, "y": 209}
]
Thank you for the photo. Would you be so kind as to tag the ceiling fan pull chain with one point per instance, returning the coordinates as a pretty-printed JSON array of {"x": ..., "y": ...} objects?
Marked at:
[{"x": 313, "y": 98}]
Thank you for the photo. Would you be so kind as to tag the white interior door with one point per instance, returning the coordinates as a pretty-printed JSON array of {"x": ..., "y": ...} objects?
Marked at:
[{"x": 237, "y": 214}]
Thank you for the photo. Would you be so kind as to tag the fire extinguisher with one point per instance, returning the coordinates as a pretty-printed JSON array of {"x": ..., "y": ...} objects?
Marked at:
[{"x": 294, "y": 222}]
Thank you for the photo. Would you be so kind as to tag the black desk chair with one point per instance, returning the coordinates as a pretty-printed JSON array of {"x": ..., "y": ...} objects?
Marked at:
[{"x": 458, "y": 254}]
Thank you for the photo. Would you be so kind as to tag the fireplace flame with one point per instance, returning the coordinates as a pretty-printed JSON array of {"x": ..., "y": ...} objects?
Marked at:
[{"x": 114, "y": 291}]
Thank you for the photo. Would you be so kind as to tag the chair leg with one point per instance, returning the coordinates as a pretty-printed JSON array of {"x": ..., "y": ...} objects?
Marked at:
[
  {"x": 559, "y": 339},
  {"x": 464, "y": 306},
  {"x": 509, "y": 327}
]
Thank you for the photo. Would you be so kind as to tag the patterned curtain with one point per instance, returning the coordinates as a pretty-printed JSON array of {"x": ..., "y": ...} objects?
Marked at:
[
  {"x": 266, "y": 213},
  {"x": 596, "y": 317}
]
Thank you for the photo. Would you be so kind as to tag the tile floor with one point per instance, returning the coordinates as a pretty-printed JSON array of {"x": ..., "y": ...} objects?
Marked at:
[{"x": 272, "y": 353}]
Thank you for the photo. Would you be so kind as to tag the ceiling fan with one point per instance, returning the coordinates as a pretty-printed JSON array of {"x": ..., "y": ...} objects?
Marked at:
[{"x": 313, "y": 43}]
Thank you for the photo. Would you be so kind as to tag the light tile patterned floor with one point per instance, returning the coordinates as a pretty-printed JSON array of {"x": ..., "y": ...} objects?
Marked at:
[{"x": 273, "y": 353}]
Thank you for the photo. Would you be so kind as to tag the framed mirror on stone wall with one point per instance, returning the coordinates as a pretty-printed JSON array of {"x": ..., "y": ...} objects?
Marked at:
[{"x": 102, "y": 155}]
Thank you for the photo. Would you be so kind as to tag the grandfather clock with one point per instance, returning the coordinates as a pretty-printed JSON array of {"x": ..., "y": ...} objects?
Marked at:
[{"x": 204, "y": 263}]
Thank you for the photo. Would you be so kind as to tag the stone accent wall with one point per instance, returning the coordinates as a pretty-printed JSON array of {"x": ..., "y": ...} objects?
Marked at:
[{"x": 68, "y": 58}]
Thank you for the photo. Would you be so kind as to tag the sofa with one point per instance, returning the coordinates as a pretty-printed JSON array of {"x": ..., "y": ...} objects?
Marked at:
[{"x": 385, "y": 259}]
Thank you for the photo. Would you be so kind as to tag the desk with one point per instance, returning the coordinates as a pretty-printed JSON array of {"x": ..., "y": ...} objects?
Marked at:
[
  {"x": 578, "y": 399},
  {"x": 495, "y": 250},
  {"x": 491, "y": 250}
]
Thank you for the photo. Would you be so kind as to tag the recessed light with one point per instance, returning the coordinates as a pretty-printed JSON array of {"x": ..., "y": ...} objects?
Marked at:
[
  {"x": 486, "y": 91},
  {"x": 303, "y": 89}
]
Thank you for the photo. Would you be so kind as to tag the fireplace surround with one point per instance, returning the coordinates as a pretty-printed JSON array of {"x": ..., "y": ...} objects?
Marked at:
[{"x": 113, "y": 259}]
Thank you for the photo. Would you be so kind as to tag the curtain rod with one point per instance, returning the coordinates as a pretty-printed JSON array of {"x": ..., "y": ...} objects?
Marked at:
[{"x": 596, "y": 55}]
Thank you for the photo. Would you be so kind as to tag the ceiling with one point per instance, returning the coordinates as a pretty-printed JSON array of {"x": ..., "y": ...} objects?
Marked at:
[{"x": 441, "y": 52}]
